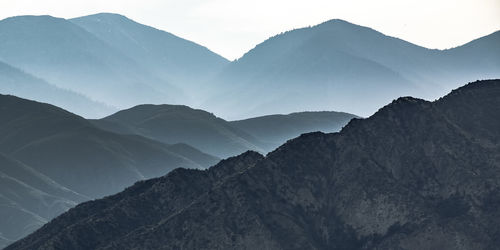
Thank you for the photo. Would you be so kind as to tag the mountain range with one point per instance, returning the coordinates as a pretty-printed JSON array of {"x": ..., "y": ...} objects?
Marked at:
[
  {"x": 52, "y": 160},
  {"x": 81, "y": 56},
  {"x": 99, "y": 122},
  {"x": 182, "y": 124},
  {"x": 335, "y": 64},
  {"x": 415, "y": 175},
  {"x": 203, "y": 130},
  {"x": 274, "y": 130},
  {"x": 116, "y": 63},
  {"x": 16, "y": 82}
]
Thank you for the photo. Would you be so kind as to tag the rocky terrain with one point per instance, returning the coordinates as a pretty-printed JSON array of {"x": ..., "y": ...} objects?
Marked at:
[{"x": 415, "y": 175}]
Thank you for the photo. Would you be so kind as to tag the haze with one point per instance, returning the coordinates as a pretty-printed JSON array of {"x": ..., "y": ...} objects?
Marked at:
[{"x": 232, "y": 27}]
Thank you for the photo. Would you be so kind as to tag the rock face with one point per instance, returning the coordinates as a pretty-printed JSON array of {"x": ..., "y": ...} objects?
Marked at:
[{"x": 416, "y": 175}]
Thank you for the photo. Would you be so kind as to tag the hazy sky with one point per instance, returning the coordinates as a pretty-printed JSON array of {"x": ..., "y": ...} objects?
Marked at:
[{"x": 232, "y": 27}]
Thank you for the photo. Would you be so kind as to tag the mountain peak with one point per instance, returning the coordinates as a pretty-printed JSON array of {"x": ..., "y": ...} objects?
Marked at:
[
  {"x": 33, "y": 18},
  {"x": 336, "y": 21},
  {"x": 105, "y": 16}
]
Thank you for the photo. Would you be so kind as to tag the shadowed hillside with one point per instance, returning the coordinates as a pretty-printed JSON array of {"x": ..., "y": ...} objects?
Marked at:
[
  {"x": 51, "y": 160},
  {"x": 415, "y": 175}
]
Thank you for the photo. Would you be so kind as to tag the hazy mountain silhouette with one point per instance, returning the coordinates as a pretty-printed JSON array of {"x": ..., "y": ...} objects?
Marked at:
[
  {"x": 415, "y": 175},
  {"x": 203, "y": 130},
  {"x": 478, "y": 59},
  {"x": 335, "y": 64},
  {"x": 174, "y": 59},
  {"x": 331, "y": 66},
  {"x": 51, "y": 160},
  {"x": 70, "y": 57},
  {"x": 181, "y": 124},
  {"x": 275, "y": 130},
  {"x": 16, "y": 82}
]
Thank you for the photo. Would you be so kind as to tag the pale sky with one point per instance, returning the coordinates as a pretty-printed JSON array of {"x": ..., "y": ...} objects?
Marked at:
[{"x": 232, "y": 27}]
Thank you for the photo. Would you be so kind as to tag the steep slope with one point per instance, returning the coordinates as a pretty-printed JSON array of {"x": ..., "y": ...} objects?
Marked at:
[
  {"x": 177, "y": 60},
  {"x": 51, "y": 160},
  {"x": 483, "y": 59},
  {"x": 333, "y": 65},
  {"x": 70, "y": 57},
  {"x": 26, "y": 207},
  {"x": 415, "y": 175},
  {"x": 74, "y": 153},
  {"x": 15, "y": 82},
  {"x": 275, "y": 130},
  {"x": 181, "y": 124}
]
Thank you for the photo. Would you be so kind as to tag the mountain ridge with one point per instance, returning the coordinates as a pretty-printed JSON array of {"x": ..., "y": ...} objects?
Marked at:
[
  {"x": 51, "y": 160},
  {"x": 416, "y": 175},
  {"x": 325, "y": 63}
]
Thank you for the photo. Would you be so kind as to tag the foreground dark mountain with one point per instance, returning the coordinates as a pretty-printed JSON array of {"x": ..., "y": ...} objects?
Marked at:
[
  {"x": 51, "y": 160},
  {"x": 336, "y": 64},
  {"x": 416, "y": 175},
  {"x": 275, "y": 130}
]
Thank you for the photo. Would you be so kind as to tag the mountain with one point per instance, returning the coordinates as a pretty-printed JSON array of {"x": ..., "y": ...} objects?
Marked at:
[
  {"x": 120, "y": 63},
  {"x": 174, "y": 59},
  {"x": 333, "y": 65},
  {"x": 415, "y": 175},
  {"x": 181, "y": 124},
  {"x": 108, "y": 58},
  {"x": 50, "y": 140},
  {"x": 70, "y": 57},
  {"x": 275, "y": 130},
  {"x": 29, "y": 199},
  {"x": 203, "y": 130},
  {"x": 51, "y": 160},
  {"x": 16, "y": 82}
]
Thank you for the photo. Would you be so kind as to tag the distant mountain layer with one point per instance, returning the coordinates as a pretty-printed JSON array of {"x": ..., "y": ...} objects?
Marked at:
[
  {"x": 126, "y": 65},
  {"x": 16, "y": 82},
  {"x": 337, "y": 65},
  {"x": 331, "y": 66},
  {"x": 198, "y": 128},
  {"x": 415, "y": 175},
  {"x": 51, "y": 160},
  {"x": 181, "y": 124},
  {"x": 174, "y": 59},
  {"x": 274, "y": 130}
]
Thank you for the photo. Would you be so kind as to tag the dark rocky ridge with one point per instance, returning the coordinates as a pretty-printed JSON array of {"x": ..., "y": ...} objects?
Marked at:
[{"x": 416, "y": 175}]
